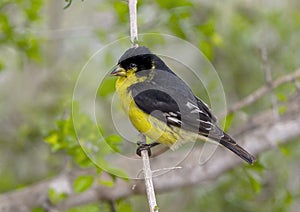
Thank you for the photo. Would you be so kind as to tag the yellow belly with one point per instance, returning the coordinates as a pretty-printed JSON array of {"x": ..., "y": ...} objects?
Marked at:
[{"x": 150, "y": 126}]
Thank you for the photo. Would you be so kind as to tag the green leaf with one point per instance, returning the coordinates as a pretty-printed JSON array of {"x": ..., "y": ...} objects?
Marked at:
[
  {"x": 121, "y": 9},
  {"x": 284, "y": 149},
  {"x": 124, "y": 206},
  {"x": 288, "y": 198},
  {"x": 208, "y": 28},
  {"x": 216, "y": 39},
  {"x": 88, "y": 208},
  {"x": 114, "y": 141},
  {"x": 38, "y": 210},
  {"x": 56, "y": 197},
  {"x": 226, "y": 122},
  {"x": 281, "y": 96},
  {"x": 156, "y": 208},
  {"x": 168, "y": 4},
  {"x": 83, "y": 183},
  {"x": 256, "y": 185},
  {"x": 107, "y": 87},
  {"x": 257, "y": 166},
  {"x": 206, "y": 48},
  {"x": 282, "y": 109},
  {"x": 106, "y": 183},
  {"x": 1, "y": 65}
]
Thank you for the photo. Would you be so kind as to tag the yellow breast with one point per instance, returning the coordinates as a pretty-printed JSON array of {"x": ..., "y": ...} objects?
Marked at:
[{"x": 148, "y": 125}]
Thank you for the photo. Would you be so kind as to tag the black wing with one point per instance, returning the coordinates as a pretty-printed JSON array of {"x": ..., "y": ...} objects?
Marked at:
[{"x": 169, "y": 99}]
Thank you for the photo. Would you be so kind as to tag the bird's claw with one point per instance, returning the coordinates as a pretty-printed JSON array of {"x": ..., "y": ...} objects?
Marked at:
[{"x": 142, "y": 147}]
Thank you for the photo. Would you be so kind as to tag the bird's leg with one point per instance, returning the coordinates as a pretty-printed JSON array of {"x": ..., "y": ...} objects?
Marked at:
[{"x": 143, "y": 146}]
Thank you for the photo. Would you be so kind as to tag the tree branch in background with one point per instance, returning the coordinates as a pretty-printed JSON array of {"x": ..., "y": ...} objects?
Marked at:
[
  {"x": 271, "y": 132},
  {"x": 133, "y": 22},
  {"x": 264, "y": 90},
  {"x": 268, "y": 78}
]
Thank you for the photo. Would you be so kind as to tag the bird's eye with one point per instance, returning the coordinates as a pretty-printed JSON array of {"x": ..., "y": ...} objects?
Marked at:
[{"x": 132, "y": 65}]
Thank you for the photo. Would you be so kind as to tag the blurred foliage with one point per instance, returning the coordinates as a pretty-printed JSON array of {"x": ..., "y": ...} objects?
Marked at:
[
  {"x": 40, "y": 63},
  {"x": 56, "y": 197},
  {"x": 83, "y": 183},
  {"x": 14, "y": 29},
  {"x": 64, "y": 138}
]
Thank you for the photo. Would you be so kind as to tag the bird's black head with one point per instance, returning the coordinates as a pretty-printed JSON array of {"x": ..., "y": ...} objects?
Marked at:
[{"x": 138, "y": 59}]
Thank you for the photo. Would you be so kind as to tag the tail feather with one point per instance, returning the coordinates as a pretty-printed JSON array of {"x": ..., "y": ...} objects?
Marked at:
[{"x": 230, "y": 144}]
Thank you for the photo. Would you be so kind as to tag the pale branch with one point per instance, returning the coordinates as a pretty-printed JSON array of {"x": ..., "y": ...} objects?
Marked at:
[
  {"x": 256, "y": 95},
  {"x": 132, "y": 6},
  {"x": 133, "y": 22},
  {"x": 268, "y": 78},
  {"x": 261, "y": 136},
  {"x": 148, "y": 182}
]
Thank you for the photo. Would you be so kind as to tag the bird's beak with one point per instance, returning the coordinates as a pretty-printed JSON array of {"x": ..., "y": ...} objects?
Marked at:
[{"x": 118, "y": 71}]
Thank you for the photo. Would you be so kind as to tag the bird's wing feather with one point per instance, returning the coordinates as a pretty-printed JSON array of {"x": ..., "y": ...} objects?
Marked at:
[{"x": 167, "y": 93}]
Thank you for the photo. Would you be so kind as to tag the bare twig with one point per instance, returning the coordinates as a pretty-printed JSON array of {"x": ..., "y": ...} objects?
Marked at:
[
  {"x": 133, "y": 22},
  {"x": 148, "y": 177},
  {"x": 144, "y": 154},
  {"x": 268, "y": 78},
  {"x": 148, "y": 182},
  {"x": 264, "y": 90}
]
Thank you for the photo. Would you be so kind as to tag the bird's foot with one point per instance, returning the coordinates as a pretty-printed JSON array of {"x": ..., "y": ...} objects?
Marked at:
[{"x": 142, "y": 146}]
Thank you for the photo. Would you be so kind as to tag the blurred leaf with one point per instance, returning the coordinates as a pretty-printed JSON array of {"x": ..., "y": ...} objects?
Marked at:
[
  {"x": 55, "y": 197},
  {"x": 284, "y": 150},
  {"x": 32, "y": 12},
  {"x": 121, "y": 9},
  {"x": 227, "y": 121},
  {"x": 175, "y": 26},
  {"x": 88, "y": 208},
  {"x": 6, "y": 28},
  {"x": 288, "y": 198},
  {"x": 207, "y": 50},
  {"x": 52, "y": 139},
  {"x": 256, "y": 185},
  {"x": 282, "y": 110},
  {"x": 124, "y": 206},
  {"x": 83, "y": 183},
  {"x": 38, "y": 210},
  {"x": 114, "y": 141},
  {"x": 107, "y": 86},
  {"x": 106, "y": 183},
  {"x": 167, "y": 4},
  {"x": 281, "y": 96},
  {"x": 257, "y": 166},
  {"x": 65, "y": 138},
  {"x": 208, "y": 28},
  {"x": 216, "y": 39}
]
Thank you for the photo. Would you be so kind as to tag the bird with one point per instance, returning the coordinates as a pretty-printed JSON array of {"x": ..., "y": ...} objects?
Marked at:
[{"x": 161, "y": 106}]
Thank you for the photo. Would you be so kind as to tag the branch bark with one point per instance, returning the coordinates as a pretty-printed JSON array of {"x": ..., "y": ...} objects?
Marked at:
[
  {"x": 133, "y": 22},
  {"x": 269, "y": 131},
  {"x": 253, "y": 97}
]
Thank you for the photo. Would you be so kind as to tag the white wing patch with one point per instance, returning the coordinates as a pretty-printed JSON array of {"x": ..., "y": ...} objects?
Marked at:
[
  {"x": 173, "y": 118},
  {"x": 194, "y": 108}
]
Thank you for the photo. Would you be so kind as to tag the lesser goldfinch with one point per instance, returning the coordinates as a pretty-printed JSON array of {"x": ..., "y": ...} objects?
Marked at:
[{"x": 161, "y": 106}]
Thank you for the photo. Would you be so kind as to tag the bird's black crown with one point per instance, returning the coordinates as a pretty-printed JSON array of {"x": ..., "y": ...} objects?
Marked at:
[{"x": 141, "y": 58}]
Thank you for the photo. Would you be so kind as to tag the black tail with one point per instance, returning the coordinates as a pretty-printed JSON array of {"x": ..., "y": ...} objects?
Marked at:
[{"x": 230, "y": 144}]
